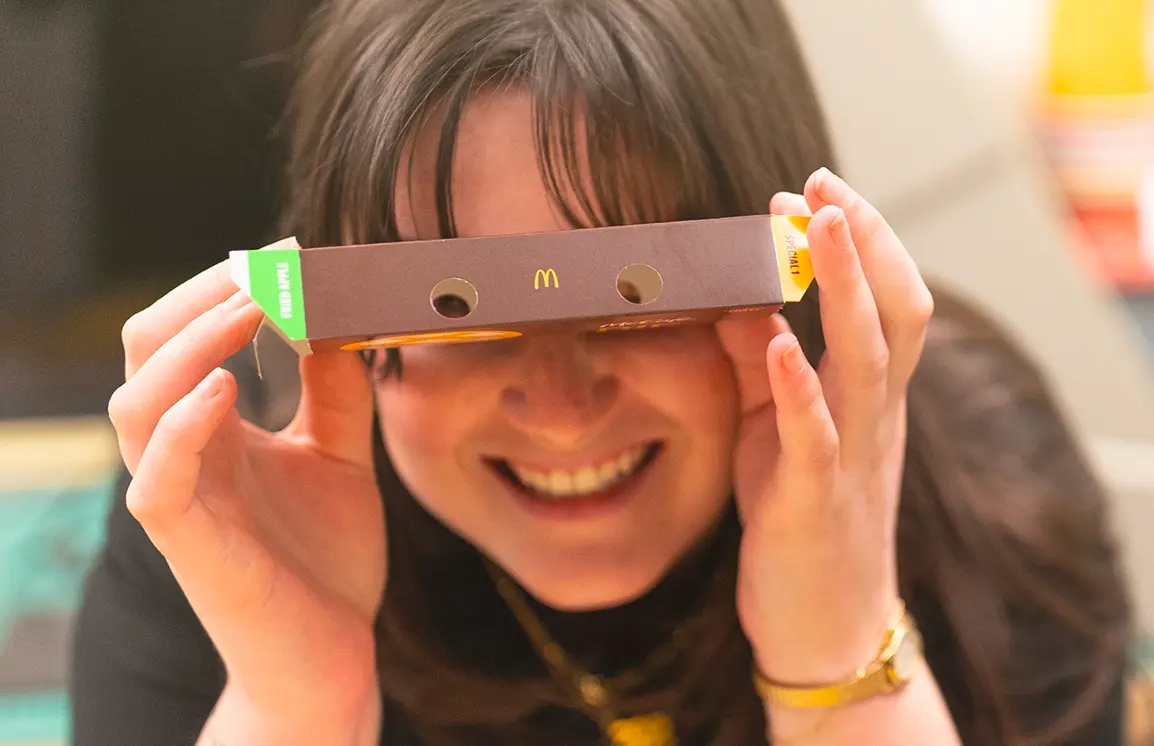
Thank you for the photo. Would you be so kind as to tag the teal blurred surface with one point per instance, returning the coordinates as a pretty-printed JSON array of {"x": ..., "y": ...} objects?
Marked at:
[
  {"x": 34, "y": 718},
  {"x": 47, "y": 541},
  {"x": 57, "y": 480}
]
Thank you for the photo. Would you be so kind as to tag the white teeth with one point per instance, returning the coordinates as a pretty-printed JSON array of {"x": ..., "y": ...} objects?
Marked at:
[
  {"x": 583, "y": 481},
  {"x": 560, "y": 483}
]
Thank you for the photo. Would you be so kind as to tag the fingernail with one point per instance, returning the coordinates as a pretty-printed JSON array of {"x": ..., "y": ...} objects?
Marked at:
[
  {"x": 837, "y": 228},
  {"x": 238, "y": 300},
  {"x": 212, "y": 385},
  {"x": 793, "y": 358},
  {"x": 830, "y": 185},
  {"x": 820, "y": 176}
]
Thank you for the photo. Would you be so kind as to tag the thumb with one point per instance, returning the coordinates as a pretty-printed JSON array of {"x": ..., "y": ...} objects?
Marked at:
[{"x": 336, "y": 406}]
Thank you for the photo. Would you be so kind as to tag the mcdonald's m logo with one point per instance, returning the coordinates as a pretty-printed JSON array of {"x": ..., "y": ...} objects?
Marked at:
[{"x": 543, "y": 277}]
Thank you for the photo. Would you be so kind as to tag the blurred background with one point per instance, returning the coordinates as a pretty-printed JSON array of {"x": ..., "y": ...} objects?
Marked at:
[{"x": 1011, "y": 142}]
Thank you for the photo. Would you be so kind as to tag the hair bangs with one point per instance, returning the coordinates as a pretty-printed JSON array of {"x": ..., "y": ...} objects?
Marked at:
[{"x": 618, "y": 140}]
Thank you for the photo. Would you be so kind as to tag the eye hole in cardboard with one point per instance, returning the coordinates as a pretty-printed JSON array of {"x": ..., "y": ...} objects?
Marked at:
[
  {"x": 639, "y": 284},
  {"x": 454, "y": 298}
]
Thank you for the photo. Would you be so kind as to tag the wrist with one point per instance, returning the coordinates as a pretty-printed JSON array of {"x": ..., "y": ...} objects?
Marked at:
[
  {"x": 915, "y": 715},
  {"x": 892, "y": 666},
  {"x": 791, "y": 726},
  {"x": 831, "y": 649},
  {"x": 317, "y": 717},
  {"x": 334, "y": 686}
]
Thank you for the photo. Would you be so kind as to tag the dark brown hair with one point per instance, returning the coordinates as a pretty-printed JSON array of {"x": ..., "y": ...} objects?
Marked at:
[{"x": 704, "y": 108}]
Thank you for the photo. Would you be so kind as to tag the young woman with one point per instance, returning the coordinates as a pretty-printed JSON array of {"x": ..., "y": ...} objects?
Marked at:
[{"x": 691, "y": 535}]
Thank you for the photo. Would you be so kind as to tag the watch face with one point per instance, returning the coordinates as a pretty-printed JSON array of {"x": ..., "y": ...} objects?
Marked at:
[{"x": 905, "y": 661}]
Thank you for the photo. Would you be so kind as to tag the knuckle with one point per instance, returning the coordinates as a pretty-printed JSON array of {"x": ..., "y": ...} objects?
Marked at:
[
  {"x": 825, "y": 449},
  {"x": 131, "y": 329},
  {"x": 809, "y": 396},
  {"x": 173, "y": 423},
  {"x": 912, "y": 325},
  {"x": 922, "y": 308},
  {"x": 120, "y": 410},
  {"x": 874, "y": 370},
  {"x": 137, "y": 501},
  {"x": 115, "y": 407},
  {"x": 136, "y": 336}
]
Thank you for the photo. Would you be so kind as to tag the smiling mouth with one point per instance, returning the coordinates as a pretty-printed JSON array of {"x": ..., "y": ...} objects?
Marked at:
[{"x": 589, "y": 481}]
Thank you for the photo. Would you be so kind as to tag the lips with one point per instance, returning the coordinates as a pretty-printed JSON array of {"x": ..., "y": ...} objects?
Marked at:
[{"x": 578, "y": 483}]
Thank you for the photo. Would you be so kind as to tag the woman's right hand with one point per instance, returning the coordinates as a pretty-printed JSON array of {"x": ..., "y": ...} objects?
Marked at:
[{"x": 277, "y": 540}]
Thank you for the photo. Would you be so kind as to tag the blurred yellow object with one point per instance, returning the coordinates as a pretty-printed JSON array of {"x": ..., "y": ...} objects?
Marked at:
[
  {"x": 1098, "y": 48},
  {"x": 56, "y": 453},
  {"x": 1140, "y": 713},
  {"x": 1096, "y": 126}
]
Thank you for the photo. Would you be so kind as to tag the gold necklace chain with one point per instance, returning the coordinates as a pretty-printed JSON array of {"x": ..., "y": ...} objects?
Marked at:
[{"x": 597, "y": 694}]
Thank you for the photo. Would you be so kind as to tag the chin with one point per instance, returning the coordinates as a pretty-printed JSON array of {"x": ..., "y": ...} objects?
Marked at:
[{"x": 592, "y": 587}]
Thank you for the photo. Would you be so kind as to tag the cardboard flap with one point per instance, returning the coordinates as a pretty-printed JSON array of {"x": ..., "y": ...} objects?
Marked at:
[
  {"x": 271, "y": 276},
  {"x": 795, "y": 268}
]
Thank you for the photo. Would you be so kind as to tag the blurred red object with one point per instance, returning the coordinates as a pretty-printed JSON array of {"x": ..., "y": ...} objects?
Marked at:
[
  {"x": 1096, "y": 126},
  {"x": 1111, "y": 242}
]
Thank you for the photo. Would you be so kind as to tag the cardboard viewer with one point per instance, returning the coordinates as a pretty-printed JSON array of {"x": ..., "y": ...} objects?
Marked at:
[{"x": 472, "y": 289}]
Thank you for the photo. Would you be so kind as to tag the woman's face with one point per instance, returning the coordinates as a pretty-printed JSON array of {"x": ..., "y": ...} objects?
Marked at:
[{"x": 584, "y": 464}]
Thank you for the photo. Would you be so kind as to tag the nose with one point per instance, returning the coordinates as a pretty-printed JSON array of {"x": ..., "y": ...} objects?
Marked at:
[{"x": 559, "y": 394}]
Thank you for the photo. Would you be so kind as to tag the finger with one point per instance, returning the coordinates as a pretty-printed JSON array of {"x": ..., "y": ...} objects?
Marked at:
[
  {"x": 162, "y": 492},
  {"x": 788, "y": 203},
  {"x": 745, "y": 342},
  {"x": 175, "y": 369},
  {"x": 336, "y": 407},
  {"x": 146, "y": 331},
  {"x": 238, "y": 589},
  {"x": 905, "y": 304},
  {"x": 809, "y": 438},
  {"x": 217, "y": 566},
  {"x": 856, "y": 367}
]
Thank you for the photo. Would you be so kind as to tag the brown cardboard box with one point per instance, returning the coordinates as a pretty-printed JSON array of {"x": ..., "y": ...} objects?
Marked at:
[{"x": 467, "y": 289}]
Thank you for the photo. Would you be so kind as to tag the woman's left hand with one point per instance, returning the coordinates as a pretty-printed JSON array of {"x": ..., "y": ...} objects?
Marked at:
[{"x": 819, "y": 458}]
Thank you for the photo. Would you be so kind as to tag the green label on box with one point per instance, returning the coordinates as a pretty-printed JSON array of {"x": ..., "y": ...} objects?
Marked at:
[{"x": 275, "y": 285}]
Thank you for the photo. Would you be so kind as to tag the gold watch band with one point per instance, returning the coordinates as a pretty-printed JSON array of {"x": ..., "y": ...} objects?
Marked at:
[
  {"x": 862, "y": 686},
  {"x": 890, "y": 670}
]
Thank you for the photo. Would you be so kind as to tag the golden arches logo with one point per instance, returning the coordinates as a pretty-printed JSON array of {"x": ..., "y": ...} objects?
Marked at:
[{"x": 544, "y": 276}]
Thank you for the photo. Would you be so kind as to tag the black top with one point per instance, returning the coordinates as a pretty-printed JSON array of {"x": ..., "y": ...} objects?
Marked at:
[
  {"x": 455, "y": 666},
  {"x": 145, "y": 673}
]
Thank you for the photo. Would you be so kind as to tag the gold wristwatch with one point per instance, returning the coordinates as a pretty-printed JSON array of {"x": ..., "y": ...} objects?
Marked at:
[{"x": 891, "y": 669}]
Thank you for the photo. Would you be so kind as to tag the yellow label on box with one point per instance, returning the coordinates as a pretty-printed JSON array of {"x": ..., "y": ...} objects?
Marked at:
[{"x": 794, "y": 265}]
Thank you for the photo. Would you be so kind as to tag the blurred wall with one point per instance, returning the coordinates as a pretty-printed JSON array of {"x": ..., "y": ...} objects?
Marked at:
[
  {"x": 951, "y": 163},
  {"x": 45, "y": 211}
]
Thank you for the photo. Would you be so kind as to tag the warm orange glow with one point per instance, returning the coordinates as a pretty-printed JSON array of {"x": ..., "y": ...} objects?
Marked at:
[{"x": 451, "y": 337}]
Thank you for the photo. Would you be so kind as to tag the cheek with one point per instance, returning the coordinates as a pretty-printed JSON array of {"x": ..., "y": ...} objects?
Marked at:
[
  {"x": 686, "y": 374},
  {"x": 425, "y": 418},
  {"x": 424, "y": 424}
]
